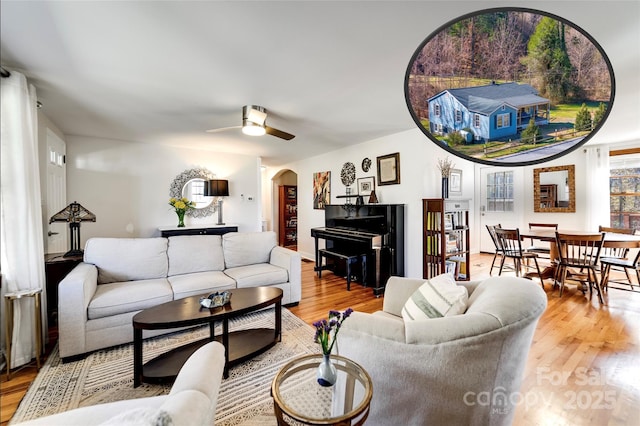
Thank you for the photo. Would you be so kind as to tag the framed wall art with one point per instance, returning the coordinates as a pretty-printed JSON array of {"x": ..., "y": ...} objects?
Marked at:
[
  {"x": 321, "y": 189},
  {"x": 366, "y": 185},
  {"x": 455, "y": 182},
  {"x": 509, "y": 86},
  {"x": 389, "y": 169}
]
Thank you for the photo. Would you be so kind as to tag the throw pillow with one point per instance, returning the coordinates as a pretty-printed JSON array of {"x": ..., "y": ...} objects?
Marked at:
[
  {"x": 140, "y": 417},
  {"x": 438, "y": 297}
]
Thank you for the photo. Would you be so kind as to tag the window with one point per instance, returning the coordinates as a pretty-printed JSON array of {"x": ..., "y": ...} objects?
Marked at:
[
  {"x": 624, "y": 187},
  {"x": 458, "y": 116},
  {"x": 500, "y": 192},
  {"x": 502, "y": 120},
  {"x": 436, "y": 110},
  {"x": 476, "y": 120},
  {"x": 438, "y": 128}
]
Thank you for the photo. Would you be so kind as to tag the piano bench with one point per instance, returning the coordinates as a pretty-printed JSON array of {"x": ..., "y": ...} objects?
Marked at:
[{"x": 349, "y": 260}]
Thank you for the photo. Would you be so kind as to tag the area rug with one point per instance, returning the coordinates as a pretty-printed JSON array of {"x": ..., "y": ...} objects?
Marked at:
[{"x": 107, "y": 375}]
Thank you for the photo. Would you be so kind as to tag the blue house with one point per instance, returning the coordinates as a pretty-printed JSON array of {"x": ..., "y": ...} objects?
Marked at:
[{"x": 488, "y": 112}]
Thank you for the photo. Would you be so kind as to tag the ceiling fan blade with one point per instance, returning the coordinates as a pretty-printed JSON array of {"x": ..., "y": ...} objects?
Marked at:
[
  {"x": 222, "y": 129},
  {"x": 279, "y": 133}
]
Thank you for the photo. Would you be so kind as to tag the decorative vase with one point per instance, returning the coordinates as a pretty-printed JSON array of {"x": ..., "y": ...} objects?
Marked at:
[
  {"x": 180, "y": 214},
  {"x": 327, "y": 373},
  {"x": 445, "y": 187}
]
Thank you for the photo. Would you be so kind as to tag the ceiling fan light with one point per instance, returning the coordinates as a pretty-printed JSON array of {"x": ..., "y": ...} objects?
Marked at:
[{"x": 252, "y": 129}]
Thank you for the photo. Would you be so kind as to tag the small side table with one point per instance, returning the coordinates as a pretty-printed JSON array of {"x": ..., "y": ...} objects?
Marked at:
[
  {"x": 298, "y": 397},
  {"x": 9, "y": 299},
  {"x": 56, "y": 267}
]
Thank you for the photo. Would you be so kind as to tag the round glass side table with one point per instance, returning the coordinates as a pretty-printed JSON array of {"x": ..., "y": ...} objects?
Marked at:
[{"x": 299, "y": 399}]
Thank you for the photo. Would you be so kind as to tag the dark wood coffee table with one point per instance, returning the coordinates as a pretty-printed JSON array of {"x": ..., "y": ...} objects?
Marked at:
[{"x": 239, "y": 345}]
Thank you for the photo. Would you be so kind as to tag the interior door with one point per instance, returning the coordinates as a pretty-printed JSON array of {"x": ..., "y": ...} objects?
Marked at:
[
  {"x": 57, "y": 240},
  {"x": 500, "y": 201}
]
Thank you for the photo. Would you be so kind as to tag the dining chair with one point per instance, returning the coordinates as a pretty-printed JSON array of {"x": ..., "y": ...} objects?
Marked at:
[
  {"x": 578, "y": 256},
  {"x": 510, "y": 241},
  {"x": 541, "y": 249},
  {"x": 619, "y": 251},
  {"x": 498, "y": 252},
  {"x": 620, "y": 264}
]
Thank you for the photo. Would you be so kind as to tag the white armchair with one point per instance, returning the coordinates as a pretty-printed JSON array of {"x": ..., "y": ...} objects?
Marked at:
[
  {"x": 462, "y": 369},
  {"x": 191, "y": 401}
]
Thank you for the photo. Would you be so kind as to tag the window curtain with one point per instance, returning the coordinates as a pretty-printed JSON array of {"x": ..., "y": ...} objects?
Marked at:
[
  {"x": 597, "y": 194},
  {"x": 21, "y": 241}
]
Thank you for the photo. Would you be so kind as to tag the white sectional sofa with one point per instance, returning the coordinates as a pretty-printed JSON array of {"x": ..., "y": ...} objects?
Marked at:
[{"x": 121, "y": 276}]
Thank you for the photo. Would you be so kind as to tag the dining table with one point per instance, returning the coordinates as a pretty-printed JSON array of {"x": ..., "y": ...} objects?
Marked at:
[{"x": 611, "y": 240}]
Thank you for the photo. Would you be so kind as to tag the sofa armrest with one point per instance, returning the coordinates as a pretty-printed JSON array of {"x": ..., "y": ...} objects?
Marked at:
[
  {"x": 373, "y": 326},
  {"x": 292, "y": 262},
  {"x": 397, "y": 292},
  {"x": 75, "y": 292}
]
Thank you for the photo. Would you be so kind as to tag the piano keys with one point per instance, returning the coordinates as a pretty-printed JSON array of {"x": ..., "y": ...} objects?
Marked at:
[{"x": 376, "y": 230}]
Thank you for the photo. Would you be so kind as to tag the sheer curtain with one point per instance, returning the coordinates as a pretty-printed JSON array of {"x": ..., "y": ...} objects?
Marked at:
[
  {"x": 597, "y": 194},
  {"x": 21, "y": 242}
]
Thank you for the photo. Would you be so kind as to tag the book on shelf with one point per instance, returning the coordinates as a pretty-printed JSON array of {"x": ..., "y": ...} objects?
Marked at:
[{"x": 461, "y": 266}]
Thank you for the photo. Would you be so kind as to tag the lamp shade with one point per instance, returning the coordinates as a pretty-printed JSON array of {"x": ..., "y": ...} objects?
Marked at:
[{"x": 216, "y": 188}]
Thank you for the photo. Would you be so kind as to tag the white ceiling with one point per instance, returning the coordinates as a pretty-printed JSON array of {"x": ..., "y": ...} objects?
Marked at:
[{"x": 330, "y": 72}]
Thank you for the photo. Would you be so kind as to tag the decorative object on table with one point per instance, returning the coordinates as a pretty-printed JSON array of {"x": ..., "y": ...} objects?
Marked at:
[
  {"x": 348, "y": 174},
  {"x": 216, "y": 299},
  {"x": 389, "y": 169},
  {"x": 326, "y": 335},
  {"x": 455, "y": 182},
  {"x": 217, "y": 188},
  {"x": 321, "y": 189},
  {"x": 366, "y": 165},
  {"x": 366, "y": 185},
  {"x": 190, "y": 184},
  {"x": 373, "y": 199},
  {"x": 181, "y": 206},
  {"x": 74, "y": 213},
  {"x": 445, "y": 166}
]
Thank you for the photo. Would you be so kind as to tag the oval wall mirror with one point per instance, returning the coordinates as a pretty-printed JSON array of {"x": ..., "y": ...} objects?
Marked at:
[
  {"x": 509, "y": 86},
  {"x": 190, "y": 184}
]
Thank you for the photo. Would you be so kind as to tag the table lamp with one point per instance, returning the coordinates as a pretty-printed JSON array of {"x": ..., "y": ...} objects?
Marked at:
[
  {"x": 217, "y": 188},
  {"x": 74, "y": 213}
]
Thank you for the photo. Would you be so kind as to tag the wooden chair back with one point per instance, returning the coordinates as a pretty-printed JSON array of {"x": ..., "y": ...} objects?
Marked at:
[
  {"x": 494, "y": 237},
  {"x": 509, "y": 240},
  {"x": 576, "y": 250},
  {"x": 627, "y": 231}
]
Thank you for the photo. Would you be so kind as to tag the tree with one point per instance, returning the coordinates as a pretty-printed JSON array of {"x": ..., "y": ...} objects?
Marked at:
[
  {"x": 455, "y": 138},
  {"x": 548, "y": 61},
  {"x": 583, "y": 119},
  {"x": 531, "y": 133},
  {"x": 598, "y": 116}
]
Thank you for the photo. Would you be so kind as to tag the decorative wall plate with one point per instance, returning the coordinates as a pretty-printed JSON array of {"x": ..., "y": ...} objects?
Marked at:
[
  {"x": 366, "y": 164},
  {"x": 348, "y": 174}
]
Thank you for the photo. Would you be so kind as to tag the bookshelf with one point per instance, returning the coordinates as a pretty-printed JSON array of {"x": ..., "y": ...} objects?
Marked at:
[
  {"x": 288, "y": 229},
  {"x": 445, "y": 235}
]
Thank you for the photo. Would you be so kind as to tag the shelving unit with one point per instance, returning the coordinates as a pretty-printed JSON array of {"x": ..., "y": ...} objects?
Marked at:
[
  {"x": 548, "y": 195},
  {"x": 445, "y": 237},
  {"x": 288, "y": 214}
]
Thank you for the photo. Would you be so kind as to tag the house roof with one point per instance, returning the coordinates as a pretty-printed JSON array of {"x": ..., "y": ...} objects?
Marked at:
[{"x": 485, "y": 99}]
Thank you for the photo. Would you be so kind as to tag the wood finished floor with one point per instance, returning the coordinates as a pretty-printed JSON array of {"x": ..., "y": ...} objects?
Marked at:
[{"x": 583, "y": 367}]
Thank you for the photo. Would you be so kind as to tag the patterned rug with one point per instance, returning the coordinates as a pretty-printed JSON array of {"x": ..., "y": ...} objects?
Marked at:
[{"x": 107, "y": 375}]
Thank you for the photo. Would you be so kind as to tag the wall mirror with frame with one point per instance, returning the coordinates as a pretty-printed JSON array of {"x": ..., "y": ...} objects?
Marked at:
[
  {"x": 190, "y": 184},
  {"x": 554, "y": 189}
]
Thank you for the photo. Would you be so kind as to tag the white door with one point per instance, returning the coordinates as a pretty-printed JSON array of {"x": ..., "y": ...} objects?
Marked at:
[
  {"x": 500, "y": 201},
  {"x": 57, "y": 240}
]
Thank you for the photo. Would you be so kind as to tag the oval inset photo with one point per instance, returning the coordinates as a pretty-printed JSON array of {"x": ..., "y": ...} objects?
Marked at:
[{"x": 509, "y": 86}]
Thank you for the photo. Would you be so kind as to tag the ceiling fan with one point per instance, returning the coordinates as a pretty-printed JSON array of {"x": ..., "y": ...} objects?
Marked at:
[{"x": 254, "y": 119}]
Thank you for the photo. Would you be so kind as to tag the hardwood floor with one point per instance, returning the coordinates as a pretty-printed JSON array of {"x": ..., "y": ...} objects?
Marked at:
[{"x": 583, "y": 367}]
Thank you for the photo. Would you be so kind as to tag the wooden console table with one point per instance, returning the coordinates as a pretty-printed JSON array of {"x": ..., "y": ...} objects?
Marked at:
[{"x": 170, "y": 231}]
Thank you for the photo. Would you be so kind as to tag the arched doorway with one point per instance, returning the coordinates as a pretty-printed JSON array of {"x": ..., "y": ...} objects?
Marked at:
[{"x": 285, "y": 192}]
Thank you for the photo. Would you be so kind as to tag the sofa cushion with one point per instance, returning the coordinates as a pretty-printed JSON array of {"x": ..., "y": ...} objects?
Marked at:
[
  {"x": 195, "y": 253},
  {"x": 247, "y": 248},
  {"x": 437, "y": 297},
  {"x": 200, "y": 283},
  {"x": 143, "y": 416},
  {"x": 122, "y": 297},
  {"x": 127, "y": 259},
  {"x": 261, "y": 274}
]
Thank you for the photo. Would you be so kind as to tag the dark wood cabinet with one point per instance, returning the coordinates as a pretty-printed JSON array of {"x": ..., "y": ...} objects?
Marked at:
[
  {"x": 445, "y": 237},
  {"x": 56, "y": 267},
  {"x": 203, "y": 230},
  {"x": 548, "y": 195},
  {"x": 288, "y": 216}
]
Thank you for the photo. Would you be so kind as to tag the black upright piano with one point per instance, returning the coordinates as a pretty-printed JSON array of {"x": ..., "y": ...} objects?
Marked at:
[{"x": 376, "y": 230}]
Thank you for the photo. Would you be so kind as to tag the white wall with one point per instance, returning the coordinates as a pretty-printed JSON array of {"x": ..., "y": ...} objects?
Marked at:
[
  {"x": 419, "y": 178},
  {"x": 126, "y": 185}
]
